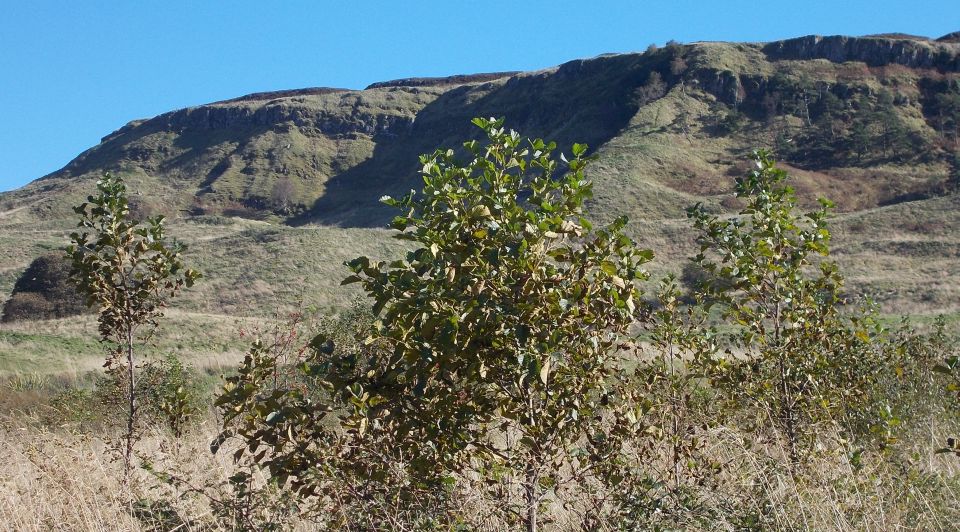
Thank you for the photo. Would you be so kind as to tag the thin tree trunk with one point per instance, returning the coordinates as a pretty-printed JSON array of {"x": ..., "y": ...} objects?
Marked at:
[
  {"x": 786, "y": 406},
  {"x": 532, "y": 499},
  {"x": 131, "y": 404},
  {"x": 786, "y": 413},
  {"x": 674, "y": 400}
]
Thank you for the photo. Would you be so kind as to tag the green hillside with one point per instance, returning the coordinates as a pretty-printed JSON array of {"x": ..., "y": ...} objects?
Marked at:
[{"x": 272, "y": 191}]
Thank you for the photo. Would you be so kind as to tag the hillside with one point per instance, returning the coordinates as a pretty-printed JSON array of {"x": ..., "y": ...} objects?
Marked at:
[{"x": 274, "y": 190}]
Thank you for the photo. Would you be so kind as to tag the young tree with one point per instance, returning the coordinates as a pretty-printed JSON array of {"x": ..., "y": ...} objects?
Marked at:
[
  {"x": 129, "y": 272},
  {"x": 860, "y": 138},
  {"x": 503, "y": 325},
  {"x": 282, "y": 195},
  {"x": 947, "y": 106},
  {"x": 678, "y": 66},
  {"x": 496, "y": 345},
  {"x": 802, "y": 363},
  {"x": 893, "y": 136}
]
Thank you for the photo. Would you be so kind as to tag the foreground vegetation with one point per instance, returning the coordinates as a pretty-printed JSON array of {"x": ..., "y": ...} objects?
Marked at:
[{"x": 511, "y": 372}]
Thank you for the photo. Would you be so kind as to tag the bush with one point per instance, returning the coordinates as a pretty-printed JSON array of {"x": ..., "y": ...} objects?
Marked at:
[
  {"x": 43, "y": 291},
  {"x": 806, "y": 365},
  {"x": 27, "y": 306},
  {"x": 503, "y": 323}
]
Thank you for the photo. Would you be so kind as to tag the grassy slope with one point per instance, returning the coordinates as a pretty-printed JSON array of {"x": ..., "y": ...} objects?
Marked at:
[{"x": 343, "y": 149}]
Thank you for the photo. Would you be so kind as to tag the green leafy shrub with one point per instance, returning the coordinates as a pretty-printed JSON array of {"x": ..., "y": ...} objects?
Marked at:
[
  {"x": 279, "y": 416},
  {"x": 798, "y": 363},
  {"x": 170, "y": 394},
  {"x": 494, "y": 351}
]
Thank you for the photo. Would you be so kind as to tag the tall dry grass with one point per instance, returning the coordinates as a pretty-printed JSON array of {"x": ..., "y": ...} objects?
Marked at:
[{"x": 57, "y": 478}]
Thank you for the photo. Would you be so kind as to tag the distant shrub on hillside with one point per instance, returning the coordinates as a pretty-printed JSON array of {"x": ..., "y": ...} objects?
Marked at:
[{"x": 43, "y": 292}]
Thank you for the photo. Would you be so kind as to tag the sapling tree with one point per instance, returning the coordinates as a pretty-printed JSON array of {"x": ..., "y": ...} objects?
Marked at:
[
  {"x": 503, "y": 324},
  {"x": 798, "y": 360},
  {"x": 128, "y": 271},
  {"x": 495, "y": 350}
]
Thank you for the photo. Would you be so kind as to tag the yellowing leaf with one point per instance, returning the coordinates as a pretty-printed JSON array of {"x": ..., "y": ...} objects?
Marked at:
[{"x": 545, "y": 370}]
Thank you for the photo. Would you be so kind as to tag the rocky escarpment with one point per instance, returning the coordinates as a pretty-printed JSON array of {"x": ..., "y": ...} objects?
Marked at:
[
  {"x": 325, "y": 153},
  {"x": 327, "y": 122},
  {"x": 442, "y": 81},
  {"x": 255, "y": 140},
  {"x": 874, "y": 51},
  {"x": 733, "y": 85},
  {"x": 289, "y": 93}
]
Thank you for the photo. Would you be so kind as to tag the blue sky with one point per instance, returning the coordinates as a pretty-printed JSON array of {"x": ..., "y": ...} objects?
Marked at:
[{"x": 72, "y": 72}]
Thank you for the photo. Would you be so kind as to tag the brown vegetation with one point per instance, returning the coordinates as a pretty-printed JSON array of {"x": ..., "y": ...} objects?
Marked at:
[{"x": 43, "y": 291}]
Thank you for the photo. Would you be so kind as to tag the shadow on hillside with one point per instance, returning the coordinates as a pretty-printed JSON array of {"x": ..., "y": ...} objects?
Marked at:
[{"x": 587, "y": 101}]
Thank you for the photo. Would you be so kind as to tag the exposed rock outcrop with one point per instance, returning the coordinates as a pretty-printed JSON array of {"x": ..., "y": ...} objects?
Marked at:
[
  {"x": 442, "y": 81},
  {"x": 215, "y": 117},
  {"x": 950, "y": 37},
  {"x": 874, "y": 51}
]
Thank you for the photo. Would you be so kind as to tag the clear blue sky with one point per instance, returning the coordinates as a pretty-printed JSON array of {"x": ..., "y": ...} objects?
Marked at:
[{"x": 72, "y": 72}]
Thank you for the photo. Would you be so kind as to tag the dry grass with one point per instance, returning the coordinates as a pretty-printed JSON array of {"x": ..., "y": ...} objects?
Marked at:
[
  {"x": 831, "y": 494},
  {"x": 61, "y": 479},
  {"x": 58, "y": 479}
]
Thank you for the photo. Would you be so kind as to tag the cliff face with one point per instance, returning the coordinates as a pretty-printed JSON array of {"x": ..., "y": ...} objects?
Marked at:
[
  {"x": 874, "y": 51},
  {"x": 460, "y": 79},
  {"x": 279, "y": 111}
]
